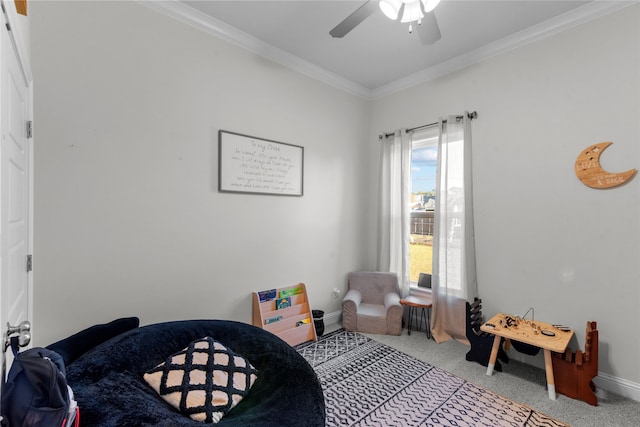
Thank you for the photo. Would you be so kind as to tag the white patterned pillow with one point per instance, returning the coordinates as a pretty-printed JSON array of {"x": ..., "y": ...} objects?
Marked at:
[{"x": 204, "y": 381}]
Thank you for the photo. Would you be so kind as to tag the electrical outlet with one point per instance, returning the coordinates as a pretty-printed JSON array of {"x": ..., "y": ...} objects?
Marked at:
[{"x": 335, "y": 293}]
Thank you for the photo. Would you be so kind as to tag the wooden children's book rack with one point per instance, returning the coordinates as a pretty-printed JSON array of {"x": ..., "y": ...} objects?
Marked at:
[{"x": 286, "y": 313}]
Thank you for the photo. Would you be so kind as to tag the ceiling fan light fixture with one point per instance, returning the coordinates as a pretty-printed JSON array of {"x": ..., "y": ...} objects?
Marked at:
[
  {"x": 412, "y": 11},
  {"x": 391, "y": 8},
  {"x": 429, "y": 5}
]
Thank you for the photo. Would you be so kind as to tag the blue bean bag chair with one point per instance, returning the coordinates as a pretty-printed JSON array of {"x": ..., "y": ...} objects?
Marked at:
[{"x": 107, "y": 377}]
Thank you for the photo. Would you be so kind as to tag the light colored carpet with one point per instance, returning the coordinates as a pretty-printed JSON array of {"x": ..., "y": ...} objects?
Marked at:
[{"x": 518, "y": 381}]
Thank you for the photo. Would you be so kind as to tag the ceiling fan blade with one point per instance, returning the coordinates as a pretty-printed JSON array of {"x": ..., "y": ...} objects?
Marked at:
[
  {"x": 353, "y": 20},
  {"x": 429, "y": 31}
]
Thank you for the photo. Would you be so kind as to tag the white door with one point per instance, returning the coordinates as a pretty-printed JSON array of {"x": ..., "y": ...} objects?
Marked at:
[{"x": 15, "y": 181}]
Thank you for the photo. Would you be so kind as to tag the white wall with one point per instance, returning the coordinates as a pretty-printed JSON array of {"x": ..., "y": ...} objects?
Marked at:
[
  {"x": 543, "y": 239},
  {"x": 128, "y": 219}
]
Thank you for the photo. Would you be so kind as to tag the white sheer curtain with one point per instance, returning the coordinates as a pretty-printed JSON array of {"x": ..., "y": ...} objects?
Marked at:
[
  {"x": 393, "y": 207},
  {"x": 454, "y": 261}
]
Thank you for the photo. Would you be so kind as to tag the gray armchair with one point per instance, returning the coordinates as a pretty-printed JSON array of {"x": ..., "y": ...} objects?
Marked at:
[{"x": 372, "y": 303}]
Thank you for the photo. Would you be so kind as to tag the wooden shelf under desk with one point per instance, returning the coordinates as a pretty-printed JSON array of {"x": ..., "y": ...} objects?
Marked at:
[{"x": 291, "y": 327}]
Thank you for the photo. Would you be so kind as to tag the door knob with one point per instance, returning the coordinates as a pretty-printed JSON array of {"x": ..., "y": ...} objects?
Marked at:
[{"x": 24, "y": 334}]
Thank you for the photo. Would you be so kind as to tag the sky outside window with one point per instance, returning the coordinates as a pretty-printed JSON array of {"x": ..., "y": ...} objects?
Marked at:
[{"x": 424, "y": 159}]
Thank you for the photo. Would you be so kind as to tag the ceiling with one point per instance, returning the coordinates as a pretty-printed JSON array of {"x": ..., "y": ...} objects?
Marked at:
[{"x": 381, "y": 56}]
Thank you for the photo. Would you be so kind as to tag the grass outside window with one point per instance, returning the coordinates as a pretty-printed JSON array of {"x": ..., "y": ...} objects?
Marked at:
[{"x": 420, "y": 260}]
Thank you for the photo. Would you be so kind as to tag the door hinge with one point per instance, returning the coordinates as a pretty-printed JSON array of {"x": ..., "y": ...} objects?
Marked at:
[
  {"x": 29, "y": 129},
  {"x": 29, "y": 263}
]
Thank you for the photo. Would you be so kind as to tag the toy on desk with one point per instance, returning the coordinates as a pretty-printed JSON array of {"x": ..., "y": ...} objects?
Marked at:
[{"x": 515, "y": 322}]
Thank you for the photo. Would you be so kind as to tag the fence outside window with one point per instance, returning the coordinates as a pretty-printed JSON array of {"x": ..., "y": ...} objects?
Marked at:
[{"x": 422, "y": 223}]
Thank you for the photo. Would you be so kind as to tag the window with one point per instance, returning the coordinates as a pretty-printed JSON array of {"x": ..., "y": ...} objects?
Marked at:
[{"x": 424, "y": 161}]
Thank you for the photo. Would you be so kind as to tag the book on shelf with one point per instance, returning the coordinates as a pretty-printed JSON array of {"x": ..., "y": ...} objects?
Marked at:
[
  {"x": 283, "y": 303},
  {"x": 267, "y": 295},
  {"x": 303, "y": 322},
  {"x": 272, "y": 320},
  {"x": 290, "y": 292}
]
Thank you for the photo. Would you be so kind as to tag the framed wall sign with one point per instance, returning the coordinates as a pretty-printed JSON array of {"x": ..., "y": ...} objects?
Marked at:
[{"x": 247, "y": 164}]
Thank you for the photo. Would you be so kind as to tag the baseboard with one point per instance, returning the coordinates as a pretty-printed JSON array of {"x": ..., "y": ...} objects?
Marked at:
[
  {"x": 610, "y": 383},
  {"x": 333, "y": 318},
  {"x": 616, "y": 385}
]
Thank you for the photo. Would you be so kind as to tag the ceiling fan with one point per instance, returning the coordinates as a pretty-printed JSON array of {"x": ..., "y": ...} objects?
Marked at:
[{"x": 420, "y": 11}]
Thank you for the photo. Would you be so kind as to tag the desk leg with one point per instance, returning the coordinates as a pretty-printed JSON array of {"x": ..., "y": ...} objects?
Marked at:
[
  {"x": 494, "y": 355},
  {"x": 548, "y": 366}
]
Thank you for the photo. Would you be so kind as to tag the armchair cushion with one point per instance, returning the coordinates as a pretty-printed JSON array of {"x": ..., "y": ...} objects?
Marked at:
[
  {"x": 353, "y": 296},
  {"x": 391, "y": 299},
  {"x": 350, "y": 305}
]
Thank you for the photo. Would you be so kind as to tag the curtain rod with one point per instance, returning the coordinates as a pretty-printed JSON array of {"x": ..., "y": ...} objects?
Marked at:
[{"x": 470, "y": 116}]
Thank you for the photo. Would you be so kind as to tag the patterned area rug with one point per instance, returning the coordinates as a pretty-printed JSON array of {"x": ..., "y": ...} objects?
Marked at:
[{"x": 367, "y": 383}]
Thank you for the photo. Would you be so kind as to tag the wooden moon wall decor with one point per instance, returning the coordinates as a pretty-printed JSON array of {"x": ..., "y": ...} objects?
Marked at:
[
  {"x": 21, "y": 7},
  {"x": 589, "y": 171}
]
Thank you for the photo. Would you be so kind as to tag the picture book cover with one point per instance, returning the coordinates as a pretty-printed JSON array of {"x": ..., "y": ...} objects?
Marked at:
[
  {"x": 290, "y": 292},
  {"x": 303, "y": 322},
  {"x": 283, "y": 303},
  {"x": 272, "y": 320},
  {"x": 267, "y": 295}
]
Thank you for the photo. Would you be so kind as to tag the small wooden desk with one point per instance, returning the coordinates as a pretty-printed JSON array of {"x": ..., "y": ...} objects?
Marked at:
[
  {"x": 526, "y": 333},
  {"x": 415, "y": 302}
]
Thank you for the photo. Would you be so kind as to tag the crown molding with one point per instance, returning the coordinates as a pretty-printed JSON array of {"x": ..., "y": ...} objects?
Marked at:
[
  {"x": 215, "y": 27},
  {"x": 224, "y": 31},
  {"x": 558, "y": 24}
]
